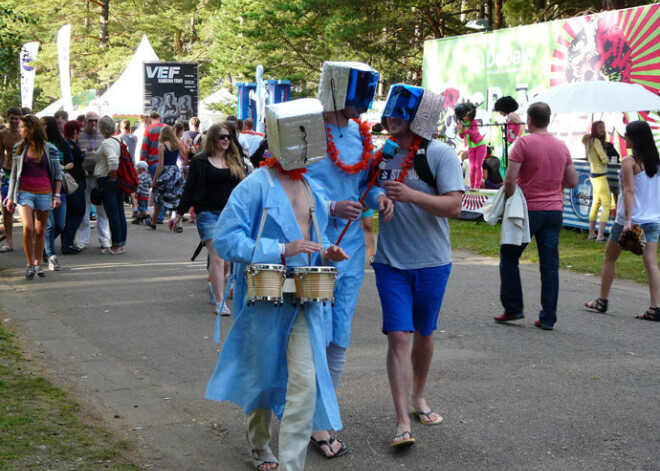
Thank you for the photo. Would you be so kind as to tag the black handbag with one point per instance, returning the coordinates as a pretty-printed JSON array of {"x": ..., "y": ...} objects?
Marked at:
[{"x": 96, "y": 196}]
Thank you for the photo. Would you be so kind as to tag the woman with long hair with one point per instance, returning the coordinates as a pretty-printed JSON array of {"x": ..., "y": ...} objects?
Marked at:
[
  {"x": 57, "y": 218},
  {"x": 213, "y": 175},
  {"x": 639, "y": 203},
  {"x": 167, "y": 182},
  {"x": 76, "y": 205},
  {"x": 594, "y": 144},
  {"x": 34, "y": 185}
]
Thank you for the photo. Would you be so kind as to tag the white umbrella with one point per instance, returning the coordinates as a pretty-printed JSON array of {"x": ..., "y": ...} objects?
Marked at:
[{"x": 598, "y": 96}]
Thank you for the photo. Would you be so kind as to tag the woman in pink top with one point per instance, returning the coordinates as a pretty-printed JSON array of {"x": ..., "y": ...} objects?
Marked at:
[
  {"x": 468, "y": 129},
  {"x": 34, "y": 185},
  {"x": 515, "y": 127}
]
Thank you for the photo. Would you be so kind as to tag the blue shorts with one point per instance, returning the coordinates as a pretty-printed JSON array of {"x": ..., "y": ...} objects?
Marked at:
[
  {"x": 369, "y": 213},
  {"x": 651, "y": 231},
  {"x": 411, "y": 299},
  {"x": 206, "y": 221},
  {"x": 41, "y": 202},
  {"x": 4, "y": 188},
  {"x": 143, "y": 206}
]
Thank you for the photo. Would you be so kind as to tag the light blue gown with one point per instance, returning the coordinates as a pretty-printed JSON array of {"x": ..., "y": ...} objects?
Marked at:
[
  {"x": 252, "y": 367},
  {"x": 338, "y": 186}
]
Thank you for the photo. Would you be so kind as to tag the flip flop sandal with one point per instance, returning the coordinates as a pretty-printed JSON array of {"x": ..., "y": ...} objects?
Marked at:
[
  {"x": 266, "y": 455},
  {"x": 6, "y": 248},
  {"x": 599, "y": 305},
  {"x": 343, "y": 449},
  {"x": 427, "y": 417},
  {"x": 652, "y": 314},
  {"x": 404, "y": 442}
]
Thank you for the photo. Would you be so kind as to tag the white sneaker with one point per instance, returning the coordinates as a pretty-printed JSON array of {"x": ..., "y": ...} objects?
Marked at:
[
  {"x": 222, "y": 309},
  {"x": 54, "y": 263}
]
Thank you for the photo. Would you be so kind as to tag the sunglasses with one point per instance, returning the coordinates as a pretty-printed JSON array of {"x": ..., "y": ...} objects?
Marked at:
[
  {"x": 224, "y": 136},
  {"x": 92, "y": 120}
]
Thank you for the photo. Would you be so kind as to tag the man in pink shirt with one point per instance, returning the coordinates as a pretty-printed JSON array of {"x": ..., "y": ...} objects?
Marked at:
[{"x": 541, "y": 166}]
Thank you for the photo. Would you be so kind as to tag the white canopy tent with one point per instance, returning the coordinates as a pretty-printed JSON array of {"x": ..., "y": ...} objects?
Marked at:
[
  {"x": 126, "y": 95},
  {"x": 208, "y": 116}
]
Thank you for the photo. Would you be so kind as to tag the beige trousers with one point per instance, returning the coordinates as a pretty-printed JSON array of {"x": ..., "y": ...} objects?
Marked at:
[{"x": 296, "y": 426}]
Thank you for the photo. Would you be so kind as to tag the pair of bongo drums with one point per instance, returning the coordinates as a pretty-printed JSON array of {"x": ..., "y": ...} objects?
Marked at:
[{"x": 269, "y": 283}]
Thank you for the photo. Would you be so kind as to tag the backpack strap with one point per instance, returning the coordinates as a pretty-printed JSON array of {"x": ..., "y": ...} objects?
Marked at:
[{"x": 421, "y": 165}]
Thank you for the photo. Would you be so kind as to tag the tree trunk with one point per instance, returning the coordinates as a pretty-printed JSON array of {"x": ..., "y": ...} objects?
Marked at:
[
  {"x": 105, "y": 16},
  {"x": 614, "y": 4},
  {"x": 497, "y": 17}
]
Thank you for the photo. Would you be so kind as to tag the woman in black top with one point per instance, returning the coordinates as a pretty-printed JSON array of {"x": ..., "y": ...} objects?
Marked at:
[
  {"x": 75, "y": 210},
  {"x": 212, "y": 176}
]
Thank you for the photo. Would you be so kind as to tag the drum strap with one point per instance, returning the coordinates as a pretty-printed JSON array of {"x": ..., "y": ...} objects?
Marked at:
[
  {"x": 312, "y": 212},
  {"x": 262, "y": 222}
]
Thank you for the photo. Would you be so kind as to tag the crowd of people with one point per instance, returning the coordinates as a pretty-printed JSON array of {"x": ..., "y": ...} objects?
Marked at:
[{"x": 62, "y": 176}]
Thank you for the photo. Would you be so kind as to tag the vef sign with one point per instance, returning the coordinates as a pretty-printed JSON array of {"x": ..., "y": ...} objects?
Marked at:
[
  {"x": 171, "y": 89},
  {"x": 162, "y": 72}
]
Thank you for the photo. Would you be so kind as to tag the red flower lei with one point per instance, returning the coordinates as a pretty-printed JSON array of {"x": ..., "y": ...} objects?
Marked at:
[
  {"x": 252, "y": 133},
  {"x": 367, "y": 149},
  {"x": 295, "y": 174},
  {"x": 407, "y": 163}
]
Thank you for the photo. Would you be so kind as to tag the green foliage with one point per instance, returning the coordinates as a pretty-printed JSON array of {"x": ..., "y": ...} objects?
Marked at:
[{"x": 229, "y": 38}]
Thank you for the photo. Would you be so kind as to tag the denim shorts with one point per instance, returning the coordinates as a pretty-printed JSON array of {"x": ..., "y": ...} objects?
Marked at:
[
  {"x": 651, "y": 231},
  {"x": 143, "y": 206},
  {"x": 4, "y": 187},
  {"x": 206, "y": 221},
  {"x": 411, "y": 299},
  {"x": 41, "y": 202}
]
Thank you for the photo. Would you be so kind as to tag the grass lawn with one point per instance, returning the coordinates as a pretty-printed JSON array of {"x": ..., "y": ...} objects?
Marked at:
[
  {"x": 575, "y": 251},
  {"x": 41, "y": 428}
]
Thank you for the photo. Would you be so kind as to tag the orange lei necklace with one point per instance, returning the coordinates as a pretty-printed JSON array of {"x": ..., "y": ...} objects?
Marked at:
[
  {"x": 295, "y": 174},
  {"x": 406, "y": 164},
  {"x": 367, "y": 149}
]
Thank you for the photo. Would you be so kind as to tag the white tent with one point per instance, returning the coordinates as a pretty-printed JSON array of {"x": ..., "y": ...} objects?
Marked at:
[
  {"x": 126, "y": 95},
  {"x": 51, "y": 109},
  {"x": 208, "y": 116}
]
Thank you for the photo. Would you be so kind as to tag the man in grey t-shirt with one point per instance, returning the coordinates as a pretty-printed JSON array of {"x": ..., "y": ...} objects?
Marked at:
[{"x": 413, "y": 259}]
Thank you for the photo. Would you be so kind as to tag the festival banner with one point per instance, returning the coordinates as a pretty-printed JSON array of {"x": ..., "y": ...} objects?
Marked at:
[
  {"x": 171, "y": 89},
  {"x": 28, "y": 58},
  {"x": 63, "y": 47},
  {"x": 522, "y": 62},
  {"x": 619, "y": 45}
]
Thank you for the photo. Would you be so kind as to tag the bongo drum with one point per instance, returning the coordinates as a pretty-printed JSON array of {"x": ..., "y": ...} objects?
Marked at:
[
  {"x": 264, "y": 283},
  {"x": 314, "y": 284}
]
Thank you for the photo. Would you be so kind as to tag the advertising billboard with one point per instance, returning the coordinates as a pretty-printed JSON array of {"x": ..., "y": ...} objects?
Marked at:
[{"x": 171, "y": 89}]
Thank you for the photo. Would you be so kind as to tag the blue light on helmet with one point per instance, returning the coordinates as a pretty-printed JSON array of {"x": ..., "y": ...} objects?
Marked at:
[
  {"x": 361, "y": 88},
  {"x": 403, "y": 102}
]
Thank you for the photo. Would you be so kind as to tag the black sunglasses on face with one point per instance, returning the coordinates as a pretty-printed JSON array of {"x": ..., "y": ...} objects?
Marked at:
[
  {"x": 92, "y": 120},
  {"x": 224, "y": 136}
]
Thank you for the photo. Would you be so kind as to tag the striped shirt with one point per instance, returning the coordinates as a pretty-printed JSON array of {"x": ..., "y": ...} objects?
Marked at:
[{"x": 149, "y": 151}]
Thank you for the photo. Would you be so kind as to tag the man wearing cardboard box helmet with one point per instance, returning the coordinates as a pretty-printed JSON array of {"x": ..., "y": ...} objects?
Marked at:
[
  {"x": 425, "y": 182},
  {"x": 273, "y": 358},
  {"x": 346, "y": 90}
]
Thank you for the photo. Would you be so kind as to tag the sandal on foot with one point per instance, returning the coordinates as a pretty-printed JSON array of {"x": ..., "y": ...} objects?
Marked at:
[
  {"x": 425, "y": 417},
  {"x": 404, "y": 442},
  {"x": 6, "y": 248},
  {"x": 652, "y": 314},
  {"x": 343, "y": 449},
  {"x": 261, "y": 457},
  {"x": 599, "y": 305}
]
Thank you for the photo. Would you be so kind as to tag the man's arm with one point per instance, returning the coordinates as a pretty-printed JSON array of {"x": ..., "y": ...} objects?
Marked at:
[
  {"x": 447, "y": 205},
  {"x": 570, "y": 179},
  {"x": 512, "y": 170},
  {"x": 144, "y": 151}
]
